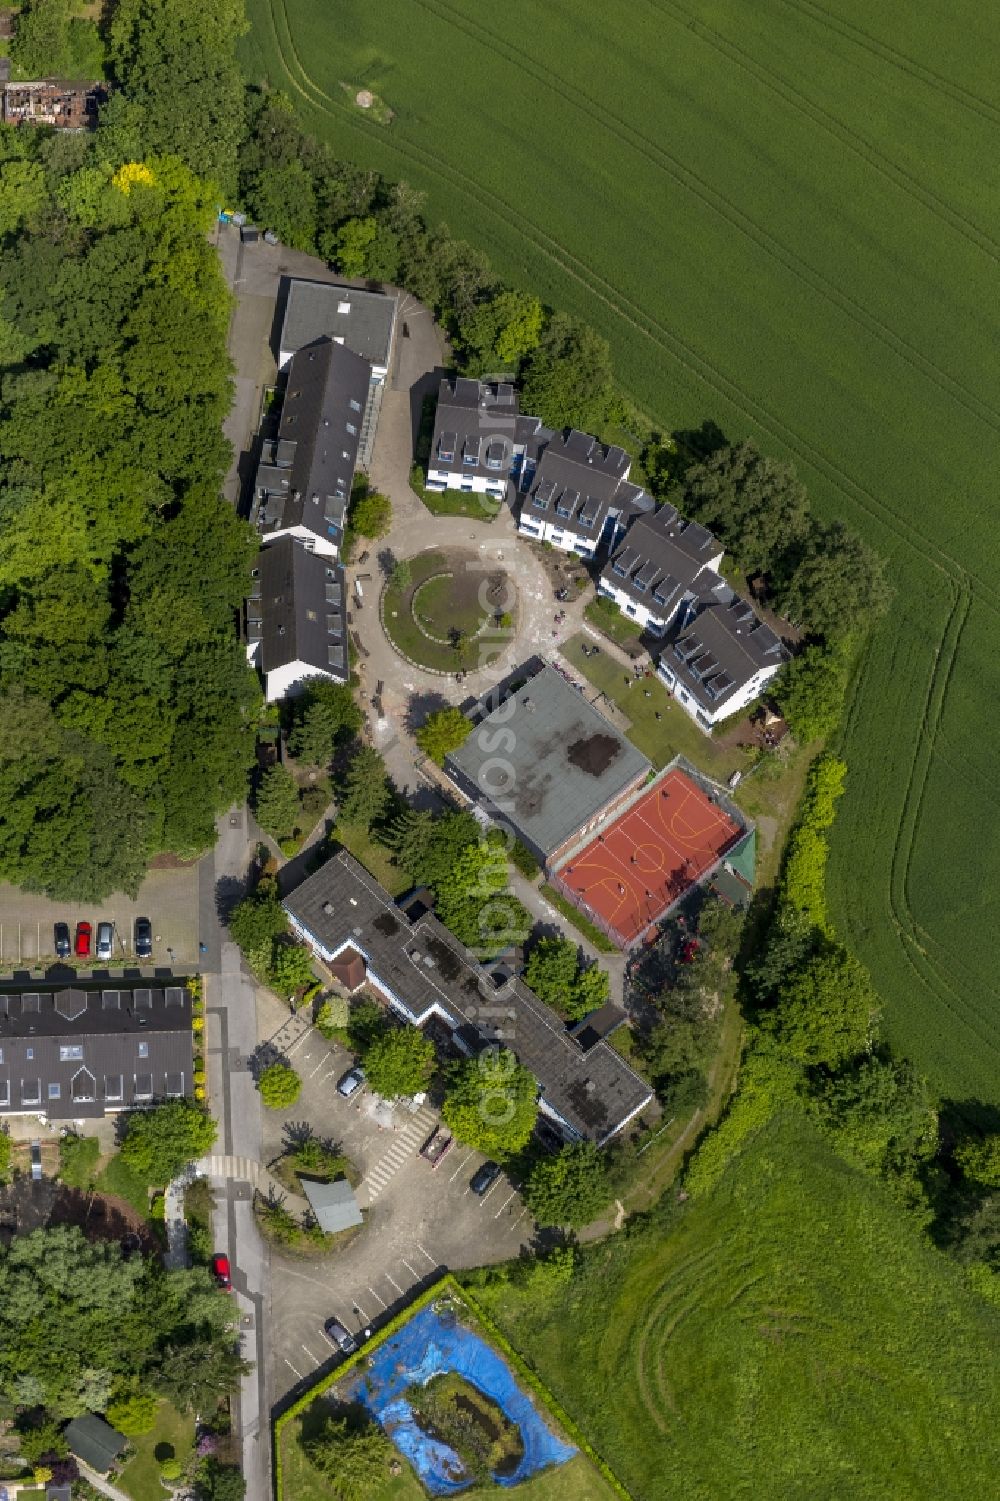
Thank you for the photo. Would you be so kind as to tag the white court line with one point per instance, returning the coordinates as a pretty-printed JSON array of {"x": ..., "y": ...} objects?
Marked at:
[
  {"x": 503, "y": 1206},
  {"x": 430, "y": 1258},
  {"x": 295, "y": 1373},
  {"x": 409, "y": 1268},
  {"x": 394, "y": 1283},
  {"x": 376, "y": 1296},
  {"x": 460, "y": 1167}
]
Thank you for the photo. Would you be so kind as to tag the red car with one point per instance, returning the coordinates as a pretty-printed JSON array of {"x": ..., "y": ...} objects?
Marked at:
[
  {"x": 81, "y": 947},
  {"x": 220, "y": 1271}
]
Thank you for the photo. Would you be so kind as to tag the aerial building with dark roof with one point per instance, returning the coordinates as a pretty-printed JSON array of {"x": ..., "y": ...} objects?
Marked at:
[
  {"x": 296, "y": 619},
  {"x": 579, "y": 497},
  {"x": 720, "y": 659},
  {"x": 547, "y": 764},
  {"x": 481, "y": 442},
  {"x": 84, "y": 1050},
  {"x": 655, "y": 572},
  {"x": 354, "y": 318},
  {"x": 303, "y": 480},
  {"x": 585, "y": 1088}
]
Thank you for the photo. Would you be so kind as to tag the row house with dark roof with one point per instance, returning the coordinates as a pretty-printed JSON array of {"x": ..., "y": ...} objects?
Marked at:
[
  {"x": 656, "y": 572},
  {"x": 296, "y": 619},
  {"x": 579, "y": 497},
  {"x": 80, "y": 1051},
  {"x": 721, "y": 659},
  {"x": 481, "y": 442},
  {"x": 303, "y": 481}
]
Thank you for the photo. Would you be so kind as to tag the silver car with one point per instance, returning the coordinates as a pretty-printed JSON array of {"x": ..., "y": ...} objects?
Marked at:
[{"x": 105, "y": 940}]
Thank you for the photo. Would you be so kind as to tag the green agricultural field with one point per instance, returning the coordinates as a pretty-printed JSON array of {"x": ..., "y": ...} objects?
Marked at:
[
  {"x": 792, "y": 1336},
  {"x": 782, "y": 215}
]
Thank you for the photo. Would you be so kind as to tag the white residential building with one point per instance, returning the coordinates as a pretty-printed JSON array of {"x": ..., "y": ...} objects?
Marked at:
[
  {"x": 721, "y": 660},
  {"x": 659, "y": 569},
  {"x": 579, "y": 497}
]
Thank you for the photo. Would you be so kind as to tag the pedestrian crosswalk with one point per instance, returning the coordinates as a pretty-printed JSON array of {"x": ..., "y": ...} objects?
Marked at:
[
  {"x": 408, "y": 1139},
  {"x": 238, "y": 1169}
]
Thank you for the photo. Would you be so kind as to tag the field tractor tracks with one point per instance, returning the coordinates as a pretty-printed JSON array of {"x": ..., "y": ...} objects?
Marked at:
[
  {"x": 688, "y": 180},
  {"x": 657, "y": 333},
  {"x": 956, "y": 92},
  {"x": 869, "y": 153}
]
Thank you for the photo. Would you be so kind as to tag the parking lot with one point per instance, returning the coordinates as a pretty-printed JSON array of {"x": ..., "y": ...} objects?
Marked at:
[
  {"x": 419, "y": 1219},
  {"x": 169, "y": 898}
]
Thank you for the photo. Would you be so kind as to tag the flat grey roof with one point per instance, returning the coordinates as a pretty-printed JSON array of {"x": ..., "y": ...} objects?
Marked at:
[
  {"x": 333, "y": 1204},
  {"x": 363, "y": 321},
  {"x": 561, "y": 761}
]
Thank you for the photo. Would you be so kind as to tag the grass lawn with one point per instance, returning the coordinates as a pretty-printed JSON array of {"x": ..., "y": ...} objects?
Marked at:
[
  {"x": 118, "y": 1178},
  {"x": 141, "y": 1477},
  {"x": 817, "y": 270},
  {"x": 606, "y": 616},
  {"x": 661, "y": 739},
  {"x": 445, "y": 593},
  {"x": 373, "y": 856},
  {"x": 790, "y": 1334},
  {"x": 453, "y": 502}
]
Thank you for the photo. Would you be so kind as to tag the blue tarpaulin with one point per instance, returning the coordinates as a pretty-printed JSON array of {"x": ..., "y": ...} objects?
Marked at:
[{"x": 430, "y": 1344}]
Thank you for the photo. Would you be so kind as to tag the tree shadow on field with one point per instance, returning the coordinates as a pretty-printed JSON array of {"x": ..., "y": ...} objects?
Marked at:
[{"x": 699, "y": 443}]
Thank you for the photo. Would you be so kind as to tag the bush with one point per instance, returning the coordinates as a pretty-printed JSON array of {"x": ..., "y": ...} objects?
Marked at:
[
  {"x": 77, "y": 1160},
  {"x": 332, "y": 1016},
  {"x": 133, "y": 1414},
  {"x": 280, "y": 1086},
  {"x": 523, "y": 860},
  {"x": 170, "y": 1470}
]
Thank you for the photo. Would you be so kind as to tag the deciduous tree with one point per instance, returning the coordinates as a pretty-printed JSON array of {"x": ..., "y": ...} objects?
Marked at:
[
  {"x": 161, "y": 1141},
  {"x": 491, "y": 1103},
  {"x": 279, "y": 1085},
  {"x": 443, "y": 731},
  {"x": 399, "y": 1062},
  {"x": 569, "y": 1187}
]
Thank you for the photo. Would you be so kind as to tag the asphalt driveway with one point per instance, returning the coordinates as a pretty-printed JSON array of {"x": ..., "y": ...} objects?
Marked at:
[{"x": 419, "y": 1220}]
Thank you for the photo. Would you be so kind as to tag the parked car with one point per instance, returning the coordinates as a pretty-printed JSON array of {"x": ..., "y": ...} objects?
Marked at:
[
  {"x": 61, "y": 939},
  {"x": 105, "y": 940},
  {"x": 221, "y": 1271},
  {"x": 143, "y": 938},
  {"x": 351, "y": 1082},
  {"x": 81, "y": 947},
  {"x": 36, "y": 1161},
  {"x": 484, "y": 1178},
  {"x": 339, "y": 1336}
]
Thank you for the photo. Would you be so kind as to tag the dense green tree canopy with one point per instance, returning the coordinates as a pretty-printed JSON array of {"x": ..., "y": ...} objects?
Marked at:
[
  {"x": 78, "y": 1321},
  {"x": 127, "y": 694},
  {"x": 443, "y": 731},
  {"x": 324, "y": 715},
  {"x": 567, "y": 378},
  {"x": 838, "y": 585},
  {"x": 568, "y": 1188},
  {"x": 276, "y": 803},
  {"x": 161, "y": 1141},
  {"x": 365, "y": 793},
  {"x": 827, "y": 1010},
  {"x": 399, "y": 1062},
  {"x": 811, "y": 688},
  {"x": 352, "y": 1455},
  {"x": 280, "y": 1086},
  {"x": 52, "y": 40},
  {"x": 555, "y": 974},
  {"x": 755, "y": 505},
  {"x": 182, "y": 86},
  {"x": 492, "y": 1103},
  {"x": 426, "y": 845},
  {"x": 474, "y": 901}
]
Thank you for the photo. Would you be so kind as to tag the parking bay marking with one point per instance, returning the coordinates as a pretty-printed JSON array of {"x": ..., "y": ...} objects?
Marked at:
[
  {"x": 394, "y": 1283},
  {"x": 295, "y": 1373},
  {"x": 409, "y": 1268},
  {"x": 430, "y": 1258},
  {"x": 376, "y": 1296},
  {"x": 312, "y": 1357},
  {"x": 488, "y": 1192},
  {"x": 460, "y": 1167},
  {"x": 503, "y": 1206}
]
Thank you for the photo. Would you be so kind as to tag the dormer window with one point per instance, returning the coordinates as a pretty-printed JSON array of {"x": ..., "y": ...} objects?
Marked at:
[{"x": 619, "y": 569}]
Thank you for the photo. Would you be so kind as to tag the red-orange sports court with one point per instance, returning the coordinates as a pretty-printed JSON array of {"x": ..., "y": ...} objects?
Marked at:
[{"x": 632, "y": 872}]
